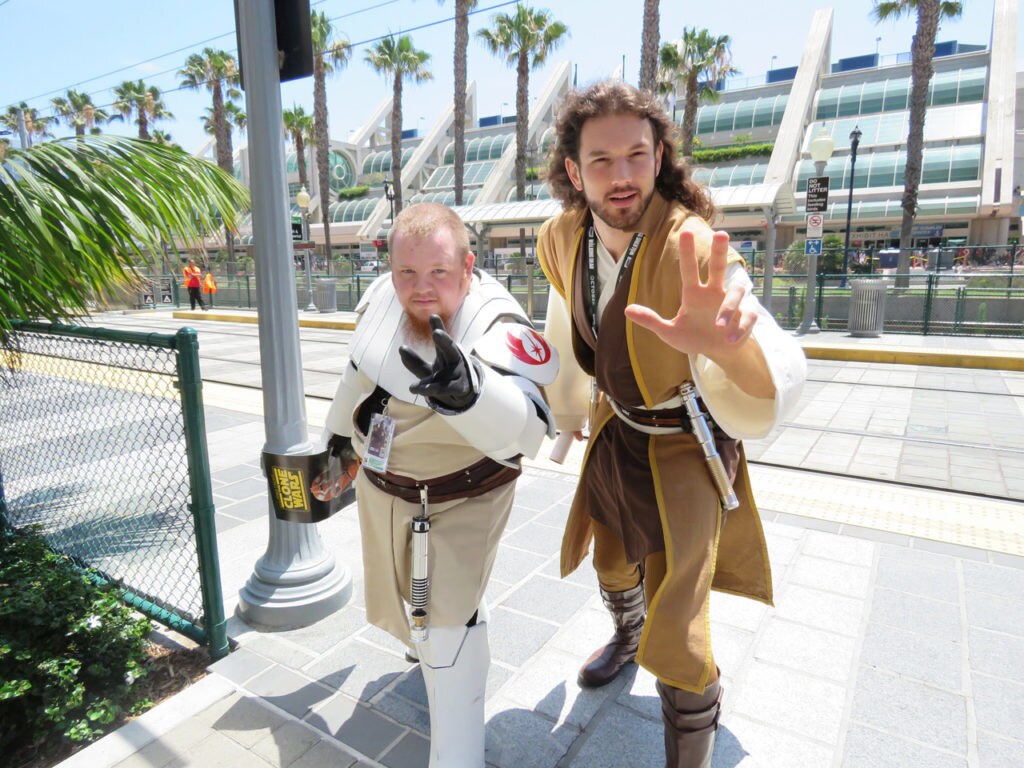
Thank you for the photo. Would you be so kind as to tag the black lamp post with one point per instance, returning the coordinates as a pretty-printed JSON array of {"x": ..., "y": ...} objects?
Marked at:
[
  {"x": 855, "y": 135},
  {"x": 389, "y": 193}
]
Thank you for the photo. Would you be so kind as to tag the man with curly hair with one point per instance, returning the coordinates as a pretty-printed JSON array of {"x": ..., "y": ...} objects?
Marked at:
[{"x": 651, "y": 302}]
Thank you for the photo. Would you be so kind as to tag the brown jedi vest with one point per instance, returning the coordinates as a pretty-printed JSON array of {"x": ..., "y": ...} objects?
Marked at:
[{"x": 700, "y": 553}]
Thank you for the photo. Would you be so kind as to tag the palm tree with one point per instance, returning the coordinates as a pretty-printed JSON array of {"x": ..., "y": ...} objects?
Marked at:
[
  {"x": 701, "y": 61},
  {"x": 649, "y": 40},
  {"x": 298, "y": 126},
  {"x": 397, "y": 58},
  {"x": 35, "y": 124},
  {"x": 462, "y": 9},
  {"x": 163, "y": 137},
  {"x": 236, "y": 116},
  {"x": 76, "y": 110},
  {"x": 929, "y": 14},
  {"x": 524, "y": 38},
  {"x": 77, "y": 216},
  {"x": 217, "y": 72},
  {"x": 142, "y": 100},
  {"x": 329, "y": 54}
]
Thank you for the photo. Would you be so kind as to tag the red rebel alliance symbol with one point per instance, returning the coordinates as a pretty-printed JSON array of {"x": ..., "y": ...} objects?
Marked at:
[{"x": 529, "y": 347}]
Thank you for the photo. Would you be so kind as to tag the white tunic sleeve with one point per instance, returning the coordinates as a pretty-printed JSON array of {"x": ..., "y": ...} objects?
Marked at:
[{"x": 739, "y": 414}]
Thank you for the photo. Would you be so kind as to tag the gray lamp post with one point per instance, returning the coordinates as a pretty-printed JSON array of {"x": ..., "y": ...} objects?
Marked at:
[
  {"x": 297, "y": 580},
  {"x": 854, "y": 143},
  {"x": 821, "y": 150},
  {"x": 302, "y": 200}
]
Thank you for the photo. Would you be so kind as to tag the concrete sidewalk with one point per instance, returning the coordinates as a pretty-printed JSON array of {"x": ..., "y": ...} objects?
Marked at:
[
  {"x": 885, "y": 647},
  {"x": 897, "y": 636}
]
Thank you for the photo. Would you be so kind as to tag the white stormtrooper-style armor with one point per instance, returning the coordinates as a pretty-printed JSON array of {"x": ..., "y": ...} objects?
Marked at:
[
  {"x": 489, "y": 325},
  {"x": 509, "y": 418}
]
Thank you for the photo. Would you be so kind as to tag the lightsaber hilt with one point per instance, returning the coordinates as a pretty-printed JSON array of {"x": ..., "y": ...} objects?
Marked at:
[
  {"x": 701, "y": 430},
  {"x": 420, "y": 587}
]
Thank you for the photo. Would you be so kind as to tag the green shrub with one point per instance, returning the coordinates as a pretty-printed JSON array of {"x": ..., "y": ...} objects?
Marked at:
[
  {"x": 69, "y": 649},
  {"x": 735, "y": 152},
  {"x": 830, "y": 262},
  {"x": 351, "y": 193}
]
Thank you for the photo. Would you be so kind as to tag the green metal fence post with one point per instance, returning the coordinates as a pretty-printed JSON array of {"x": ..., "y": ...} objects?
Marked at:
[
  {"x": 958, "y": 312},
  {"x": 191, "y": 387},
  {"x": 928, "y": 299},
  {"x": 820, "y": 291}
]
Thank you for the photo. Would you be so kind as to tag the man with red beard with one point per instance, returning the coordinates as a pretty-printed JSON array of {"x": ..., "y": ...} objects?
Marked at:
[
  {"x": 442, "y": 392},
  {"x": 632, "y": 247}
]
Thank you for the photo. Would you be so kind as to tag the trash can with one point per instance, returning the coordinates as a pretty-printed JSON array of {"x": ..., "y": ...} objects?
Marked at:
[
  {"x": 325, "y": 295},
  {"x": 867, "y": 307}
]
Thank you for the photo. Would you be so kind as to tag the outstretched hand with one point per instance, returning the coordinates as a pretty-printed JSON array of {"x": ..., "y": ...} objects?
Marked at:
[
  {"x": 710, "y": 319},
  {"x": 448, "y": 381}
]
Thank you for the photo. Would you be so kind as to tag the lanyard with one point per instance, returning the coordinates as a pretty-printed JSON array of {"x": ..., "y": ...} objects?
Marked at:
[{"x": 591, "y": 269}]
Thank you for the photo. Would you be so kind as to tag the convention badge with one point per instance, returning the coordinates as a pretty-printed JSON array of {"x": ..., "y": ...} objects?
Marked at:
[{"x": 378, "y": 443}]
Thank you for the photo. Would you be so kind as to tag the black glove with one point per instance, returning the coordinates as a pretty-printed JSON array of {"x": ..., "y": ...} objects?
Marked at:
[
  {"x": 340, "y": 447},
  {"x": 448, "y": 382}
]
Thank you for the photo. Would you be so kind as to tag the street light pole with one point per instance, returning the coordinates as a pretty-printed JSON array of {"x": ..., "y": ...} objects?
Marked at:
[
  {"x": 821, "y": 150},
  {"x": 297, "y": 580},
  {"x": 854, "y": 143},
  {"x": 302, "y": 200},
  {"x": 390, "y": 195}
]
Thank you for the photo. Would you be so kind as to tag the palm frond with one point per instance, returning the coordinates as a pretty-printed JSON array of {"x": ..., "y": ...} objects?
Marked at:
[{"x": 79, "y": 216}]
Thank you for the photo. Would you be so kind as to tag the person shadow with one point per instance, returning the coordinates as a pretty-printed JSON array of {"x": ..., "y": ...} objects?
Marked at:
[{"x": 570, "y": 727}]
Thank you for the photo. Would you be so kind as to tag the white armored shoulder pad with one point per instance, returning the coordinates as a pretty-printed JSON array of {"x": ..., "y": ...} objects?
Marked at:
[
  {"x": 518, "y": 349},
  {"x": 370, "y": 294}
]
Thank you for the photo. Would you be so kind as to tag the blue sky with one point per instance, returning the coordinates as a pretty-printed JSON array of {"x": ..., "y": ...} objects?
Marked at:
[{"x": 51, "y": 45}]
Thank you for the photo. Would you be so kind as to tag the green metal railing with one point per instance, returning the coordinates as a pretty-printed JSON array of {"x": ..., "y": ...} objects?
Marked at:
[
  {"x": 945, "y": 303},
  {"x": 103, "y": 450},
  {"x": 959, "y": 290}
]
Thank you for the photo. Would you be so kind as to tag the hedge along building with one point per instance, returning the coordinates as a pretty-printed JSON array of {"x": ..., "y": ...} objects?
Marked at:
[{"x": 970, "y": 186}]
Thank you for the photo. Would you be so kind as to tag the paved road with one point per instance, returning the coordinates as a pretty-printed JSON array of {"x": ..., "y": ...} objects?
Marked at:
[{"x": 950, "y": 428}]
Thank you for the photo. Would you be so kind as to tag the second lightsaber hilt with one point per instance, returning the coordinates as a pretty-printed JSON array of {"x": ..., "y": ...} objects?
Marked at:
[
  {"x": 699, "y": 425},
  {"x": 420, "y": 587}
]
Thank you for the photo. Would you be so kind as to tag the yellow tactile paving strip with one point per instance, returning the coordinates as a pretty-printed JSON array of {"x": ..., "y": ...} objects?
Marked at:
[
  {"x": 943, "y": 358},
  {"x": 954, "y": 518},
  {"x": 341, "y": 322}
]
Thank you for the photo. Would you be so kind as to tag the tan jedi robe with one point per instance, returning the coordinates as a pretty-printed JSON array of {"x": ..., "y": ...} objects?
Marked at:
[{"x": 701, "y": 553}]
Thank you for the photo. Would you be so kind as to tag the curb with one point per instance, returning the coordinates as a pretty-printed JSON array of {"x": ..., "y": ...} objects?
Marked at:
[{"x": 135, "y": 735}]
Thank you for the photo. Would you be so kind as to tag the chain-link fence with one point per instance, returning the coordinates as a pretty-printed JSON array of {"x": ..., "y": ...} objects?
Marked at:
[{"x": 103, "y": 449}]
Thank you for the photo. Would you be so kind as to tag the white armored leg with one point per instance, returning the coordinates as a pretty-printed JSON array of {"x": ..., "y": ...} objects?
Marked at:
[{"x": 454, "y": 662}]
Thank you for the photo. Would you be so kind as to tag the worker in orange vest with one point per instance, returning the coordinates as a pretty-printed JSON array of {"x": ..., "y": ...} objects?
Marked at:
[{"x": 192, "y": 281}]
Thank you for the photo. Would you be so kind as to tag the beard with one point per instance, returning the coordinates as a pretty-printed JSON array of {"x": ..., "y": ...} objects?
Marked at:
[
  {"x": 621, "y": 218},
  {"x": 419, "y": 331}
]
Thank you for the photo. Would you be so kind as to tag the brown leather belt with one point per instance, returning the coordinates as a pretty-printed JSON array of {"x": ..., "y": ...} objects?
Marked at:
[
  {"x": 672, "y": 418},
  {"x": 475, "y": 480}
]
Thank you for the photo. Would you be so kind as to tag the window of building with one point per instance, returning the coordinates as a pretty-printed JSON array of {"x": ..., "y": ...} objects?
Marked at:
[{"x": 347, "y": 211}]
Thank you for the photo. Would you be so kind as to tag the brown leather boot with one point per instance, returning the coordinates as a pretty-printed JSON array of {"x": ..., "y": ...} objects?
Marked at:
[
  {"x": 628, "y": 609},
  {"x": 691, "y": 720}
]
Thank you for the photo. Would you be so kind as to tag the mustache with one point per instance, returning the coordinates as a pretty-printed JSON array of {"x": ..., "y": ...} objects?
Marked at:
[{"x": 623, "y": 191}]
